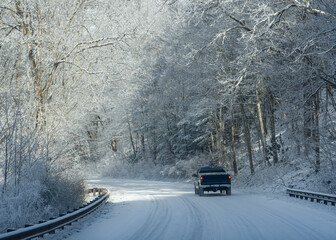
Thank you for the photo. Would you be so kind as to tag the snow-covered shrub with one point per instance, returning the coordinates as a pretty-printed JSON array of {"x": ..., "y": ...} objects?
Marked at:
[
  {"x": 185, "y": 168},
  {"x": 23, "y": 206},
  {"x": 64, "y": 191},
  {"x": 179, "y": 169},
  {"x": 119, "y": 166},
  {"x": 39, "y": 196}
]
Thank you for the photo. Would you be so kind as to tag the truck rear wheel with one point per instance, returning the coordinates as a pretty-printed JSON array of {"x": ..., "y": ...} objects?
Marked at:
[
  {"x": 201, "y": 191},
  {"x": 196, "y": 190},
  {"x": 228, "y": 191}
]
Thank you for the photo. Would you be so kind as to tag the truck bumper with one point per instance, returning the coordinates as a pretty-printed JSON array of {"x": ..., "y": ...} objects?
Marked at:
[{"x": 215, "y": 187}]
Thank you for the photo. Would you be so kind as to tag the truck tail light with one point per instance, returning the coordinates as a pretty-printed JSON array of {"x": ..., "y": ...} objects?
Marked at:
[
  {"x": 201, "y": 178},
  {"x": 230, "y": 178}
]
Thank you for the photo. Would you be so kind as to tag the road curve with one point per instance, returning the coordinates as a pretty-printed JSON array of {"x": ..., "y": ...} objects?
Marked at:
[{"x": 140, "y": 209}]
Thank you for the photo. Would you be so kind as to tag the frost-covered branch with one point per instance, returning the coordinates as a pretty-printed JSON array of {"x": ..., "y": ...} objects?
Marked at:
[
  {"x": 83, "y": 69},
  {"x": 306, "y": 6},
  {"x": 278, "y": 15}
]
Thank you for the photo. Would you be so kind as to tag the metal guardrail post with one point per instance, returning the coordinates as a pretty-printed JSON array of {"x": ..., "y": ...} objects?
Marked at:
[{"x": 313, "y": 196}]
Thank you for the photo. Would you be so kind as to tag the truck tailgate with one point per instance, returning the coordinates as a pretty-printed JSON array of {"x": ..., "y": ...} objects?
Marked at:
[{"x": 215, "y": 179}]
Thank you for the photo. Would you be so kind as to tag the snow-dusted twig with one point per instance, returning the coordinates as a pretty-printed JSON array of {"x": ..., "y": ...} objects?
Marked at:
[
  {"x": 308, "y": 8},
  {"x": 82, "y": 69}
]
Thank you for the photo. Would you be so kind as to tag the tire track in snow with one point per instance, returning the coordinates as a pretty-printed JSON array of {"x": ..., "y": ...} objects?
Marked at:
[
  {"x": 154, "y": 225},
  {"x": 161, "y": 222},
  {"x": 294, "y": 225},
  {"x": 209, "y": 211},
  {"x": 195, "y": 221}
]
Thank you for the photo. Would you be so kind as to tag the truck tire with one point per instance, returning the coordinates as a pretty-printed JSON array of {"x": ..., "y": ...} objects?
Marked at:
[
  {"x": 196, "y": 190},
  {"x": 228, "y": 191},
  {"x": 201, "y": 191}
]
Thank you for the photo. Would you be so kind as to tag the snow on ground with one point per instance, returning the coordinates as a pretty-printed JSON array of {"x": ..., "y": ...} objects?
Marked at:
[
  {"x": 283, "y": 175},
  {"x": 140, "y": 209}
]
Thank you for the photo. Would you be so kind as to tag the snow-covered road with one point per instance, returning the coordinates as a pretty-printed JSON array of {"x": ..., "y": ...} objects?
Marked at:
[{"x": 140, "y": 209}]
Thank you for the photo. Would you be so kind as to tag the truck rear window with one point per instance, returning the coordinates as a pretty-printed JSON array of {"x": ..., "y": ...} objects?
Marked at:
[{"x": 211, "y": 170}]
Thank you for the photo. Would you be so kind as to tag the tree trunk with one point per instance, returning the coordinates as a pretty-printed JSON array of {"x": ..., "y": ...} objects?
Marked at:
[
  {"x": 169, "y": 131},
  {"x": 217, "y": 128},
  {"x": 297, "y": 142},
  {"x": 131, "y": 139},
  {"x": 40, "y": 116},
  {"x": 143, "y": 149},
  {"x": 6, "y": 170},
  {"x": 35, "y": 62},
  {"x": 316, "y": 133},
  {"x": 264, "y": 112},
  {"x": 273, "y": 135},
  {"x": 308, "y": 116},
  {"x": 212, "y": 148},
  {"x": 154, "y": 147},
  {"x": 247, "y": 134},
  {"x": 261, "y": 127},
  {"x": 222, "y": 133},
  {"x": 233, "y": 133}
]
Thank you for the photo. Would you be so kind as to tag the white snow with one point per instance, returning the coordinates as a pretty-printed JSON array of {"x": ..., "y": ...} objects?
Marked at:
[{"x": 139, "y": 209}]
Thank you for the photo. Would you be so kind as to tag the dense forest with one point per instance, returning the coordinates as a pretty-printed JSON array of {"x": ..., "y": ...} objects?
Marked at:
[{"x": 167, "y": 84}]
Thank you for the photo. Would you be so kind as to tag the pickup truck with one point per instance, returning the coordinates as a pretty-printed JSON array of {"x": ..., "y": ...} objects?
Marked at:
[{"x": 212, "y": 179}]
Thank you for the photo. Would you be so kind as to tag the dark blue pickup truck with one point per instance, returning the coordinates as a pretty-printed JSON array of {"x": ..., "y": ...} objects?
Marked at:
[{"x": 212, "y": 179}]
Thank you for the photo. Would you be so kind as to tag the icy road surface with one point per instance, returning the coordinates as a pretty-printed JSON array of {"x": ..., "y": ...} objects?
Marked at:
[{"x": 169, "y": 210}]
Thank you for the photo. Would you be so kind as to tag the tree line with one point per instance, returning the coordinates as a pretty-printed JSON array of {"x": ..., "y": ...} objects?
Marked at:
[
  {"x": 52, "y": 74},
  {"x": 246, "y": 82}
]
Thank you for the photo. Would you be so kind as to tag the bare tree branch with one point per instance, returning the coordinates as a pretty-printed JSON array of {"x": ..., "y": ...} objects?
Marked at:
[{"x": 308, "y": 8}]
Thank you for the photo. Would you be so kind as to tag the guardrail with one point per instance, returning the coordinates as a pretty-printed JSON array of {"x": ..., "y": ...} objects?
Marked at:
[
  {"x": 44, "y": 227},
  {"x": 313, "y": 196}
]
